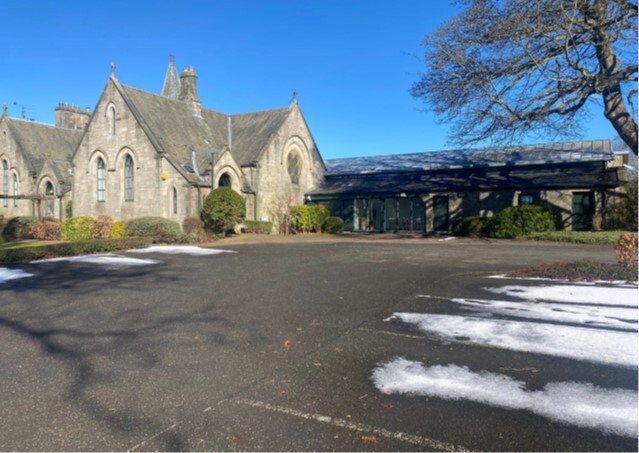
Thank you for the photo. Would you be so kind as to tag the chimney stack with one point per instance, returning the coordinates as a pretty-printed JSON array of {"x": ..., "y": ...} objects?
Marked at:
[
  {"x": 72, "y": 116},
  {"x": 188, "y": 90}
]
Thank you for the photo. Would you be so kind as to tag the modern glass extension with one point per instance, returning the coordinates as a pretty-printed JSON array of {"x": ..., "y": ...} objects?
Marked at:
[{"x": 379, "y": 214}]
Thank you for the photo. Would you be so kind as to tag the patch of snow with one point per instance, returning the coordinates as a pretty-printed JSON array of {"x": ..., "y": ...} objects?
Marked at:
[
  {"x": 589, "y": 315},
  {"x": 621, "y": 283},
  {"x": 107, "y": 259},
  {"x": 579, "y": 343},
  {"x": 176, "y": 249},
  {"x": 574, "y": 294},
  {"x": 7, "y": 274},
  {"x": 581, "y": 404},
  {"x": 450, "y": 238}
]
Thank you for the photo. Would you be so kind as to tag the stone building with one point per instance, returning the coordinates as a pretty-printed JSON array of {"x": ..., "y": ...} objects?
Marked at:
[
  {"x": 428, "y": 191},
  {"x": 145, "y": 154}
]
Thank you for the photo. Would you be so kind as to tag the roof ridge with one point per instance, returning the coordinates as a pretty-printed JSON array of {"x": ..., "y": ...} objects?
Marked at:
[
  {"x": 40, "y": 123},
  {"x": 259, "y": 111}
]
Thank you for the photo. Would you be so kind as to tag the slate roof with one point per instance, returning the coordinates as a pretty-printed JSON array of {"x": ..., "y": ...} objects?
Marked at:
[
  {"x": 40, "y": 142},
  {"x": 554, "y": 153},
  {"x": 177, "y": 131},
  {"x": 574, "y": 176}
]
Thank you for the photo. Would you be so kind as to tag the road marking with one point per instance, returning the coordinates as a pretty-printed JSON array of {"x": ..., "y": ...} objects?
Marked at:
[
  {"x": 394, "y": 334},
  {"x": 420, "y": 441},
  {"x": 152, "y": 437}
]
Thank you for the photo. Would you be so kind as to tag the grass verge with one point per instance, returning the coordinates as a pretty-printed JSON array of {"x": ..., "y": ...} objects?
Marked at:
[
  {"x": 28, "y": 254},
  {"x": 579, "y": 237}
]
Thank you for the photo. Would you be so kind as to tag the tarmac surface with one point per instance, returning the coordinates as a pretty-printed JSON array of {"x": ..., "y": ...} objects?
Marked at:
[{"x": 269, "y": 348}]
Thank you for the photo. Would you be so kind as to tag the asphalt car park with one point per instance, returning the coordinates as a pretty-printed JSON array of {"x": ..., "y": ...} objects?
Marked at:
[{"x": 275, "y": 346}]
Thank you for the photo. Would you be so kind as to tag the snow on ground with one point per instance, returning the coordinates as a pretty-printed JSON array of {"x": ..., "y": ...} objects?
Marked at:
[
  {"x": 12, "y": 274},
  {"x": 186, "y": 249},
  {"x": 108, "y": 259},
  {"x": 581, "y": 404},
  {"x": 588, "y": 315},
  {"x": 622, "y": 283},
  {"x": 579, "y": 343},
  {"x": 574, "y": 294}
]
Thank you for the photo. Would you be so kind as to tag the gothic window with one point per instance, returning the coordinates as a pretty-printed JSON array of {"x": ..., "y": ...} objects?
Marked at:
[
  {"x": 111, "y": 119},
  {"x": 224, "y": 181},
  {"x": 15, "y": 189},
  {"x": 128, "y": 179},
  {"x": 49, "y": 200},
  {"x": 175, "y": 201},
  {"x": 5, "y": 182},
  {"x": 294, "y": 167},
  {"x": 101, "y": 173}
]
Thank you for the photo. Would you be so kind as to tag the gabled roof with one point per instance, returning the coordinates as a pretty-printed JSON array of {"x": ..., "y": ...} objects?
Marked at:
[
  {"x": 554, "y": 153},
  {"x": 40, "y": 142},
  {"x": 176, "y": 131}
]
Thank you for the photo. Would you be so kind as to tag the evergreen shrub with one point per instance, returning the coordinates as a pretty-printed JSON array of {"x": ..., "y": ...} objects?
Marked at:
[
  {"x": 308, "y": 219},
  {"x": 117, "y": 231},
  {"x": 223, "y": 209},
  {"x": 333, "y": 225},
  {"x": 258, "y": 227},
  {"x": 76, "y": 229},
  {"x": 474, "y": 226},
  {"x": 158, "y": 229},
  {"x": 519, "y": 221},
  {"x": 17, "y": 228}
]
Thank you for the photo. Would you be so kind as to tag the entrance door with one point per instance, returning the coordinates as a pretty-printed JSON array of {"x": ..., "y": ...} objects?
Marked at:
[
  {"x": 582, "y": 211},
  {"x": 440, "y": 213},
  {"x": 376, "y": 215}
]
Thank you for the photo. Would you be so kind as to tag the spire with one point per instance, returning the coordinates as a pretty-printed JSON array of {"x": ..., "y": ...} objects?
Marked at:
[
  {"x": 4, "y": 109},
  {"x": 171, "y": 87}
]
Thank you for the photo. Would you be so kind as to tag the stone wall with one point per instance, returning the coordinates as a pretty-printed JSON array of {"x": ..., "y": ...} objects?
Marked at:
[{"x": 17, "y": 167}]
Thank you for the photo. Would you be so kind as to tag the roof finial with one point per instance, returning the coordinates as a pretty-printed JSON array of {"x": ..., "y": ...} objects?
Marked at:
[
  {"x": 295, "y": 96},
  {"x": 4, "y": 109},
  {"x": 112, "y": 68}
]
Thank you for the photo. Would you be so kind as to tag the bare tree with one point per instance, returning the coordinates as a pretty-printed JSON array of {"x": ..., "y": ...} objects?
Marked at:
[{"x": 506, "y": 69}]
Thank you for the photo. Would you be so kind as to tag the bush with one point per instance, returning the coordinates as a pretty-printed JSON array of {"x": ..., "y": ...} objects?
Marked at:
[
  {"x": 518, "y": 221},
  {"x": 117, "y": 231},
  {"x": 626, "y": 250},
  {"x": 333, "y": 225},
  {"x": 307, "y": 219},
  {"x": 27, "y": 254},
  {"x": 102, "y": 227},
  {"x": 17, "y": 228},
  {"x": 76, "y": 229},
  {"x": 194, "y": 230},
  {"x": 158, "y": 229},
  {"x": 258, "y": 227},
  {"x": 470, "y": 226},
  {"x": 223, "y": 209},
  {"x": 45, "y": 231}
]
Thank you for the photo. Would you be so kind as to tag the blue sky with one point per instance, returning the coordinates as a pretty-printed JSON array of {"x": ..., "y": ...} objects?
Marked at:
[{"x": 352, "y": 62}]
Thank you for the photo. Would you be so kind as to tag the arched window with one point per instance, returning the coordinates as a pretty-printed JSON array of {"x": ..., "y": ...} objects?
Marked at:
[
  {"x": 111, "y": 118},
  {"x": 175, "y": 201},
  {"x": 224, "y": 181},
  {"x": 129, "y": 194},
  {"x": 101, "y": 173},
  {"x": 294, "y": 167},
  {"x": 5, "y": 182},
  {"x": 15, "y": 190},
  {"x": 49, "y": 204}
]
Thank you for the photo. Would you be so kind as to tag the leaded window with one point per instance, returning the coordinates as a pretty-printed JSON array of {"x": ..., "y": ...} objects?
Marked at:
[
  {"x": 129, "y": 194},
  {"x": 49, "y": 205},
  {"x": 224, "y": 181},
  {"x": 175, "y": 201},
  {"x": 5, "y": 182},
  {"x": 101, "y": 179},
  {"x": 15, "y": 190},
  {"x": 294, "y": 167}
]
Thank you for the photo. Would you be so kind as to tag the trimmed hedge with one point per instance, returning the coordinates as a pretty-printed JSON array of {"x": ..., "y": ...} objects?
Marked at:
[
  {"x": 117, "y": 231},
  {"x": 258, "y": 227},
  {"x": 76, "y": 229},
  {"x": 519, "y": 221},
  {"x": 102, "y": 227},
  {"x": 45, "y": 231},
  {"x": 28, "y": 254},
  {"x": 158, "y": 229},
  {"x": 194, "y": 230}
]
